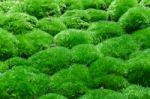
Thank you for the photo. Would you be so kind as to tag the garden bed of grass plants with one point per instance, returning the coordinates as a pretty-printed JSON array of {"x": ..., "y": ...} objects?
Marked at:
[{"x": 74, "y": 49}]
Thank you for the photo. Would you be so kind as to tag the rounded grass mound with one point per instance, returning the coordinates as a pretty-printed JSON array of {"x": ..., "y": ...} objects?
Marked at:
[
  {"x": 118, "y": 47},
  {"x": 32, "y": 42},
  {"x": 51, "y": 60},
  {"x": 72, "y": 37},
  {"x": 8, "y": 45},
  {"x": 103, "y": 94}
]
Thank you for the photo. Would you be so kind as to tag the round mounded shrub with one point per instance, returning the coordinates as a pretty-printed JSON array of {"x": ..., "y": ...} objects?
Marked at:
[
  {"x": 145, "y": 3},
  {"x": 52, "y": 96},
  {"x": 51, "y": 25},
  {"x": 119, "y": 47},
  {"x": 32, "y": 42},
  {"x": 103, "y": 30},
  {"x": 142, "y": 37},
  {"x": 66, "y": 5},
  {"x": 71, "y": 82},
  {"x": 106, "y": 66},
  {"x": 113, "y": 82},
  {"x": 137, "y": 92},
  {"x": 140, "y": 54},
  {"x": 74, "y": 19},
  {"x": 42, "y": 8},
  {"x": 8, "y": 45},
  {"x": 139, "y": 72},
  {"x": 16, "y": 61},
  {"x": 135, "y": 19},
  {"x": 103, "y": 94},
  {"x": 72, "y": 37},
  {"x": 96, "y": 15},
  {"x": 51, "y": 60},
  {"x": 6, "y": 6},
  {"x": 23, "y": 83},
  {"x": 84, "y": 53},
  {"x": 96, "y": 4},
  {"x": 3, "y": 67},
  {"x": 18, "y": 23},
  {"x": 119, "y": 7}
]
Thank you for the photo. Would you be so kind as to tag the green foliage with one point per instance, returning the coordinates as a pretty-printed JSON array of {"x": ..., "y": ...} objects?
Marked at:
[
  {"x": 140, "y": 54},
  {"x": 71, "y": 37},
  {"x": 33, "y": 42},
  {"x": 69, "y": 5},
  {"x": 84, "y": 53},
  {"x": 119, "y": 7},
  {"x": 52, "y": 96},
  {"x": 96, "y": 15},
  {"x": 28, "y": 85},
  {"x": 103, "y": 94},
  {"x": 145, "y": 3},
  {"x": 51, "y": 60},
  {"x": 113, "y": 82},
  {"x": 71, "y": 82},
  {"x": 119, "y": 47},
  {"x": 17, "y": 23},
  {"x": 104, "y": 30},
  {"x": 6, "y": 6},
  {"x": 106, "y": 66},
  {"x": 42, "y": 8},
  {"x": 51, "y": 25},
  {"x": 137, "y": 92},
  {"x": 142, "y": 37},
  {"x": 8, "y": 45},
  {"x": 74, "y": 19},
  {"x": 139, "y": 72},
  {"x": 96, "y": 4},
  {"x": 3, "y": 67},
  {"x": 16, "y": 61},
  {"x": 135, "y": 18}
]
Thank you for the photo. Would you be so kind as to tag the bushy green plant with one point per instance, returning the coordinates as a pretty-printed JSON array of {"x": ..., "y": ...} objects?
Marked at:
[
  {"x": 74, "y": 19},
  {"x": 3, "y": 67},
  {"x": 18, "y": 23},
  {"x": 96, "y": 15},
  {"x": 139, "y": 72},
  {"x": 112, "y": 82},
  {"x": 137, "y": 92},
  {"x": 135, "y": 18},
  {"x": 71, "y": 82},
  {"x": 104, "y": 30},
  {"x": 145, "y": 3},
  {"x": 16, "y": 61},
  {"x": 140, "y": 54},
  {"x": 33, "y": 41},
  {"x": 52, "y": 96},
  {"x": 106, "y": 66},
  {"x": 119, "y": 47},
  {"x": 23, "y": 83},
  {"x": 119, "y": 7},
  {"x": 103, "y": 94},
  {"x": 8, "y": 45},
  {"x": 69, "y": 5},
  {"x": 51, "y": 60},
  {"x": 6, "y": 6},
  {"x": 142, "y": 37},
  {"x": 51, "y": 25},
  {"x": 42, "y": 8},
  {"x": 71, "y": 37},
  {"x": 85, "y": 53},
  {"x": 96, "y": 4}
]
